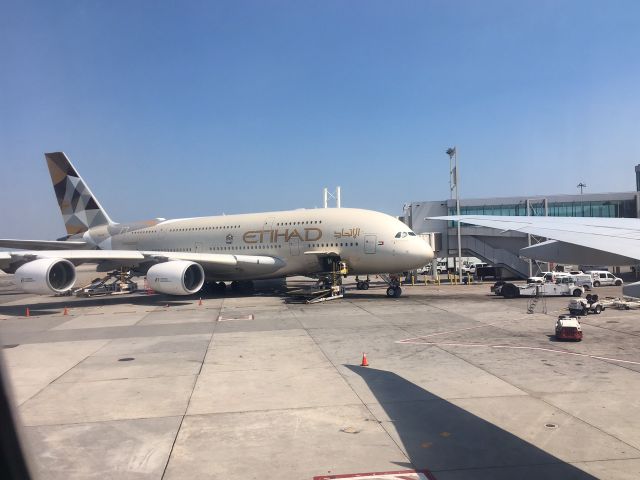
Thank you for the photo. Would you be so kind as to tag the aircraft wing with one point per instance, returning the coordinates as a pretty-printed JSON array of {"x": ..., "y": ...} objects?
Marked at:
[
  {"x": 211, "y": 262},
  {"x": 619, "y": 236},
  {"x": 42, "y": 244}
]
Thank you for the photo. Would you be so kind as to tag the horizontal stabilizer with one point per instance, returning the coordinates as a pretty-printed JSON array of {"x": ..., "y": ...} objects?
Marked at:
[{"x": 42, "y": 244}]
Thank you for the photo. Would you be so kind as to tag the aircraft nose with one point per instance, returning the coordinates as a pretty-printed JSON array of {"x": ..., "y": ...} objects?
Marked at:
[{"x": 423, "y": 252}]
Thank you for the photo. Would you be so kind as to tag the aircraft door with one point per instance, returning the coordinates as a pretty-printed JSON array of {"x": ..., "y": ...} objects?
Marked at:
[
  {"x": 370, "y": 242},
  {"x": 198, "y": 247},
  {"x": 294, "y": 245}
]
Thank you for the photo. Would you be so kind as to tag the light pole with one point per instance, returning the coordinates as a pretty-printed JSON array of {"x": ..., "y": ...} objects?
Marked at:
[
  {"x": 453, "y": 184},
  {"x": 581, "y": 186}
]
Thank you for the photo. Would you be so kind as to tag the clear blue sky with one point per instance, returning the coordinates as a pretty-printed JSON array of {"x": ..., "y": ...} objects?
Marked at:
[{"x": 189, "y": 108}]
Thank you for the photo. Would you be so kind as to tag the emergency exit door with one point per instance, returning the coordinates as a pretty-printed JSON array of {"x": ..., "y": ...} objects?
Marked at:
[{"x": 370, "y": 242}]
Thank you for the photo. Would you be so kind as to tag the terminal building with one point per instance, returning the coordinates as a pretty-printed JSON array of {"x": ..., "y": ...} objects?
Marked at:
[{"x": 501, "y": 249}]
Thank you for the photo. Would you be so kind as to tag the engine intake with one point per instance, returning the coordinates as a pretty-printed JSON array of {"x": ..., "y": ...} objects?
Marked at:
[
  {"x": 46, "y": 276},
  {"x": 177, "y": 277}
]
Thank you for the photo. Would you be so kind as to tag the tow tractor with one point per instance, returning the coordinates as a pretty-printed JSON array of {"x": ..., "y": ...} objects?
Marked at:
[
  {"x": 568, "y": 328},
  {"x": 584, "y": 306},
  {"x": 564, "y": 286}
]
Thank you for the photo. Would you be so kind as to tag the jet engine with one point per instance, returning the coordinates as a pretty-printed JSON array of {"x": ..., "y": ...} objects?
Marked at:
[
  {"x": 177, "y": 277},
  {"x": 46, "y": 276}
]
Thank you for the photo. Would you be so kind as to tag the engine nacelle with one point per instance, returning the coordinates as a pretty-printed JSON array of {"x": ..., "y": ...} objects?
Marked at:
[
  {"x": 176, "y": 277},
  {"x": 46, "y": 276}
]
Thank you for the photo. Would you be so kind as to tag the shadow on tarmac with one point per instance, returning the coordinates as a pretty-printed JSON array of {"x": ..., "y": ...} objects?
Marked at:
[{"x": 441, "y": 437}]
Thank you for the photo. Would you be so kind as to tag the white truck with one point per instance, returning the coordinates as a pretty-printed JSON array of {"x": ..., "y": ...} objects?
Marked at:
[
  {"x": 584, "y": 280},
  {"x": 564, "y": 286}
]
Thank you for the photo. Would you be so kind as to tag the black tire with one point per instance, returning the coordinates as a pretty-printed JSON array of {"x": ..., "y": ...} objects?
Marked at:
[
  {"x": 398, "y": 292},
  {"x": 509, "y": 290},
  {"x": 618, "y": 283},
  {"x": 359, "y": 286},
  {"x": 365, "y": 285},
  {"x": 598, "y": 309},
  {"x": 577, "y": 292},
  {"x": 596, "y": 284},
  {"x": 391, "y": 292}
]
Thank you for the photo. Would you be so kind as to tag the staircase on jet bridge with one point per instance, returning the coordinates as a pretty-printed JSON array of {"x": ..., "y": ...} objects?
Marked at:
[{"x": 498, "y": 257}]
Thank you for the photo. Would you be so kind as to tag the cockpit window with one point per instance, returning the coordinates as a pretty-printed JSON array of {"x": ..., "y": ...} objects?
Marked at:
[
  {"x": 403, "y": 234},
  {"x": 411, "y": 234},
  {"x": 398, "y": 234}
]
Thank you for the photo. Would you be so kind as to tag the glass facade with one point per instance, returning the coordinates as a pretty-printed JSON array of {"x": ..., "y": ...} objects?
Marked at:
[{"x": 607, "y": 208}]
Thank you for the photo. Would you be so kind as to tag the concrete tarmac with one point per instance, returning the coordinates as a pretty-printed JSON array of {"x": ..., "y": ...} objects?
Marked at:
[{"x": 461, "y": 383}]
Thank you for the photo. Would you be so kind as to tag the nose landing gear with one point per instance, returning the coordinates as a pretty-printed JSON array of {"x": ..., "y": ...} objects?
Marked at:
[{"x": 394, "y": 290}]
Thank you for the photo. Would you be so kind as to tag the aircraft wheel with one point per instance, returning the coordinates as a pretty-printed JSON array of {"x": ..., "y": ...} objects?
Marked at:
[
  {"x": 391, "y": 292},
  {"x": 365, "y": 285},
  {"x": 359, "y": 286},
  {"x": 598, "y": 309},
  {"x": 221, "y": 287},
  {"x": 398, "y": 292}
]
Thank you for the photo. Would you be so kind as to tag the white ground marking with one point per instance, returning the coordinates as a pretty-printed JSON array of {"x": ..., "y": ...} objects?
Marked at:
[{"x": 515, "y": 347}]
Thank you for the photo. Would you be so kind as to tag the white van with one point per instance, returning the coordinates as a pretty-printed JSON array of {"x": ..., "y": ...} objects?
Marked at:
[{"x": 604, "y": 278}]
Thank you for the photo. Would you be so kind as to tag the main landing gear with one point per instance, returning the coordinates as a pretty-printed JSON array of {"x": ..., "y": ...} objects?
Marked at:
[{"x": 362, "y": 284}]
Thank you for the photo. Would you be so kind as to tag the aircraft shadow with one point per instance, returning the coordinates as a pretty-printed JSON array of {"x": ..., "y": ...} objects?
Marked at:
[
  {"x": 56, "y": 304},
  {"x": 441, "y": 437}
]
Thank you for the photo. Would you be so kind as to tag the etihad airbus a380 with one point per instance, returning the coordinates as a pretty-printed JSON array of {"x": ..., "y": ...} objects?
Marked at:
[{"x": 181, "y": 256}]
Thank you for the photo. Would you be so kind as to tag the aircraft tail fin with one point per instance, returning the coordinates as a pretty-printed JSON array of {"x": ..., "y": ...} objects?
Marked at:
[{"x": 79, "y": 207}]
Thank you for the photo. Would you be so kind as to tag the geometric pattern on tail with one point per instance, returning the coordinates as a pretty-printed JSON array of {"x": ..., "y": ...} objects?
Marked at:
[{"x": 80, "y": 210}]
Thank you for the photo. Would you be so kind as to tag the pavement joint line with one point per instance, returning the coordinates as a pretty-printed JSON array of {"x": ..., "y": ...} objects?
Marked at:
[
  {"x": 186, "y": 408},
  {"x": 409, "y": 340},
  {"x": 519, "y": 347},
  {"x": 61, "y": 375},
  {"x": 540, "y": 398},
  {"x": 362, "y": 402},
  {"x": 123, "y": 378},
  {"x": 93, "y": 422},
  {"x": 611, "y": 329}
]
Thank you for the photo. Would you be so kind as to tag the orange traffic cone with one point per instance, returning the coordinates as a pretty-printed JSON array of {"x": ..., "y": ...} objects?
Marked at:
[
  {"x": 66, "y": 312},
  {"x": 365, "y": 362},
  {"x": 27, "y": 313},
  {"x": 200, "y": 302}
]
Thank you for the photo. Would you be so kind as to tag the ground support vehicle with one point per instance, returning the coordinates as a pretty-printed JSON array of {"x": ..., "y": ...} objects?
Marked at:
[
  {"x": 626, "y": 303},
  {"x": 563, "y": 287},
  {"x": 568, "y": 328},
  {"x": 583, "y": 279},
  {"x": 114, "y": 283},
  {"x": 604, "y": 278},
  {"x": 584, "y": 306}
]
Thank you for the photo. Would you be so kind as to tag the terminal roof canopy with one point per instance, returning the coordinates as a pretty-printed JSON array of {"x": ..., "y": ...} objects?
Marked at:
[{"x": 617, "y": 237}]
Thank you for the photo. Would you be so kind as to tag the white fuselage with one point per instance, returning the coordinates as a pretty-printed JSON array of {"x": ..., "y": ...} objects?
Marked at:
[{"x": 367, "y": 241}]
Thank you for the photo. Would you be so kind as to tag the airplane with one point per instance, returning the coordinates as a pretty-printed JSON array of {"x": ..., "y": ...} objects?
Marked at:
[
  {"x": 182, "y": 256},
  {"x": 573, "y": 240}
]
